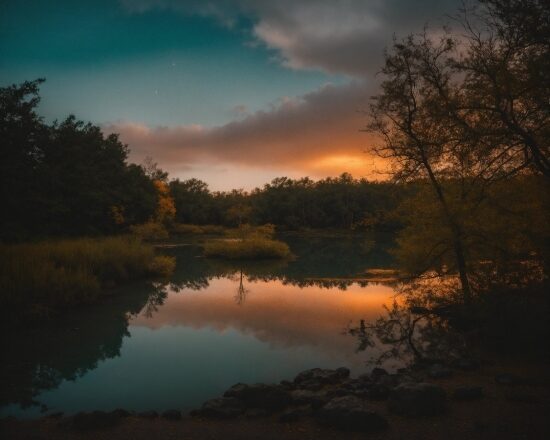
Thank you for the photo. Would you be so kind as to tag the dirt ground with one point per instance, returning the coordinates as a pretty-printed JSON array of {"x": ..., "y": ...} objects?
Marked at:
[{"x": 520, "y": 411}]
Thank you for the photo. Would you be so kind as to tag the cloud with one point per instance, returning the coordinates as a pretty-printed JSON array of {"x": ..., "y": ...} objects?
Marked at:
[
  {"x": 336, "y": 36},
  {"x": 317, "y": 134}
]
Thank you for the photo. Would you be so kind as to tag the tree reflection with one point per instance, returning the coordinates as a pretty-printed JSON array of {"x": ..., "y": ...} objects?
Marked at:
[
  {"x": 39, "y": 358},
  {"x": 240, "y": 297}
]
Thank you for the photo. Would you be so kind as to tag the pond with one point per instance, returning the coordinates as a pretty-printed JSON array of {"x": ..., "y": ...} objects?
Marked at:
[{"x": 178, "y": 343}]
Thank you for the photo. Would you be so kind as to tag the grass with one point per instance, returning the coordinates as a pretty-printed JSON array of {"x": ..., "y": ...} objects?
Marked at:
[
  {"x": 255, "y": 248},
  {"x": 150, "y": 231},
  {"x": 185, "y": 229},
  {"x": 39, "y": 277}
]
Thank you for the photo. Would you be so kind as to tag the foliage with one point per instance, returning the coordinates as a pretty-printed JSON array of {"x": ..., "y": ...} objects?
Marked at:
[
  {"x": 166, "y": 210},
  {"x": 66, "y": 178},
  {"x": 47, "y": 275},
  {"x": 150, "y": 231},
  {"x": 256, "y": 248},
  {"x": 183, "y": 229}
]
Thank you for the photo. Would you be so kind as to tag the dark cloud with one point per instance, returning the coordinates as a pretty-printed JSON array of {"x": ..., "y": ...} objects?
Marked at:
[
  {"x": 338, "y": 36},
  {"x": 296, "y": 132},
  {"x": 318, "y": 133}
]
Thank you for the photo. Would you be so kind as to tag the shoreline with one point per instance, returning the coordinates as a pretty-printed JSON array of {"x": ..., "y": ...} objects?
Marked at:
[{"x": 513, "y": 402}]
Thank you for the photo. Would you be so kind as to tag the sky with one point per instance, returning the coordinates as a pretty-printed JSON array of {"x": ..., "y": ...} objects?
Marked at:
[{"x": 233, "y": 92}]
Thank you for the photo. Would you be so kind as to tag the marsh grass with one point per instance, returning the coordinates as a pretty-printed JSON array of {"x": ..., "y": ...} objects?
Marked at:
[
  {"x": 255, "y": 248},
  {"x": 51, "y": 274},
  {"x": 150, "y": 231},
  {"x": 189, "y": 229},
  {"x": 248, "y": 243}
]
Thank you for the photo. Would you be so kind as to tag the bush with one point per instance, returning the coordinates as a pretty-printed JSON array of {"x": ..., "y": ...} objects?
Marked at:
[
  {"x": 51, "y": 274},
  {"x": 162, "y": 265},
  {"x": 247, "y": 249},
  {"x": 183, "y": 228},
  {"x": 150, "y": 231}
]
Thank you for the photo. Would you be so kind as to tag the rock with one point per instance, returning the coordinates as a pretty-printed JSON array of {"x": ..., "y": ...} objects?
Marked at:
[
  {"x": 321, "y": 376},
  {"x": 55, "y": 415},
  {"x": 311, "y": 385},
  {"x": 339, "y": 392},
  {"x": 148, "y": 414},
  {"x": 378, "y": 372},
  {"x": 94, "y": 420},
  {"x": 351, "y": 413},
  {"x": 306, "y": 397},
  {"x": 287, "y": 385},
  {"x": 295, "y": 414},
  {"x": 269, "y": 397},
  {"x": 468, "y": 393},
  {"x": 417, "y": 399},
  {"x": 254, "y": 413},
  {"x": 343, "y": 372},
  {"x": 220, "y": 408},
  {"x": 377, "y": 392},
  {"x": 438, "y": 371},
  {"x": 364, "y": 378},
  {"x": 466, "y": 364},
  {"x": 507, "y": 379},
  {"x": 172, "y": 414},
  {"x": 520, "y": 397},
  {"x": 119, "y": 412}
]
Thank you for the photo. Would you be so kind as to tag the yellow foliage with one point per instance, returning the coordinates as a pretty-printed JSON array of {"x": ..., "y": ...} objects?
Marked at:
[{"x": 166, "y": 208}]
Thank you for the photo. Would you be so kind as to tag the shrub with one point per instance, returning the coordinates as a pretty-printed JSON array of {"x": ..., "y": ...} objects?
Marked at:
[
  {"x": 245, "y": 249},
  {"x": 162, "y": 265},
  {"x": 51, "y": 274},
  {"x": 183, "y": 228},
  {"x": 150, "y": 231}
]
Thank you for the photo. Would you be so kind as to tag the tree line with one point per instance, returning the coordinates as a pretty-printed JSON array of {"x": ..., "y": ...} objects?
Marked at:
[{"x": 69, "y": 179}]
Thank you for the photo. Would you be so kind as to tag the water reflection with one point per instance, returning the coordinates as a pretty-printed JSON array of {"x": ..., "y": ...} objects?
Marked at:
[{"x": 177, "y": 343}]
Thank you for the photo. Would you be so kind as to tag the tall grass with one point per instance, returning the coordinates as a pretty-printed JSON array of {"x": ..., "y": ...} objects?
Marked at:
[
  {"x": 52, "y": 274},
  {"x": 255, "y": 248}
]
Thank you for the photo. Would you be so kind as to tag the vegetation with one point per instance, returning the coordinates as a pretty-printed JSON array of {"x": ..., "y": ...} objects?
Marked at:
[
  {"x": 248, "y": 243},
  {"x": 39, "y": 277},
  {"x": 464, "y": 113}
]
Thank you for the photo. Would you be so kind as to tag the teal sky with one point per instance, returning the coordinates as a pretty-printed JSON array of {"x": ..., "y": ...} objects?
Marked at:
[
  {"x": 105, "y": 63},
  {"x": 234, "y": 92}
]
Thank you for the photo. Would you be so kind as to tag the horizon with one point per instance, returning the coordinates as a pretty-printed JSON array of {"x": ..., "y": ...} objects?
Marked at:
[{"x": 232, "y": 93}]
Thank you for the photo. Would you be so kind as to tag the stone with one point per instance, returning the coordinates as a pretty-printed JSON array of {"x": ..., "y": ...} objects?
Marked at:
[
  {"x": 148, "y": 414},
  {"x": 269, "y": 397},
  {"x": 94, "y": 420},
  {"x": 172, "y": 414},
  {"x": 220, "y": 408},
  {"x": 322, "y": 376},
  {"x": 377, "y": 392},
  {"x": 119, "y": 412},
  {"x": 468, "y": 393},
  {"x": 286, "y": 384},
  {"x": 438, "y": 371},
  {"x": 351, "y": 413},
  {"x": 377, "y": 373},
  {"x": 466, "y": 364},
  {"x": 306, "y": 397},
  {"x": 55, "y": 415},
  {"x": 417, "y": 400},
  {"x": 507, "y": 379},
  {"x": 255, "y": 413},
  {"x": 294, "y": 414}
]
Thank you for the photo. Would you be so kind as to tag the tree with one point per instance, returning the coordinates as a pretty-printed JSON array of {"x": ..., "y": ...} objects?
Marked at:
[
  {"x": 506, "y": 69},
  {"x": 466, "y": 112},
  {"x": 416, "y": 130}
]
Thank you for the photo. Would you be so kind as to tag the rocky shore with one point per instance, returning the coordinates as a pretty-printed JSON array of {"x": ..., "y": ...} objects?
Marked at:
[{"x": 472, "y": 400}]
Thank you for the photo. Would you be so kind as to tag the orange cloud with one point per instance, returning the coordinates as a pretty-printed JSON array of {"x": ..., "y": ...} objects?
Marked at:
[{"x": 318, "y": 134}]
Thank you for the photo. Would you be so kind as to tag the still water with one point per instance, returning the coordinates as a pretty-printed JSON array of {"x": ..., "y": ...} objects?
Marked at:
[{"x": 178, "y": 343}]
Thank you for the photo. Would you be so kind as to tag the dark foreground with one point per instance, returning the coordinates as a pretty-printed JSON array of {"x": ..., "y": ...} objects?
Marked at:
[{"x": 514, "y": 404}]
